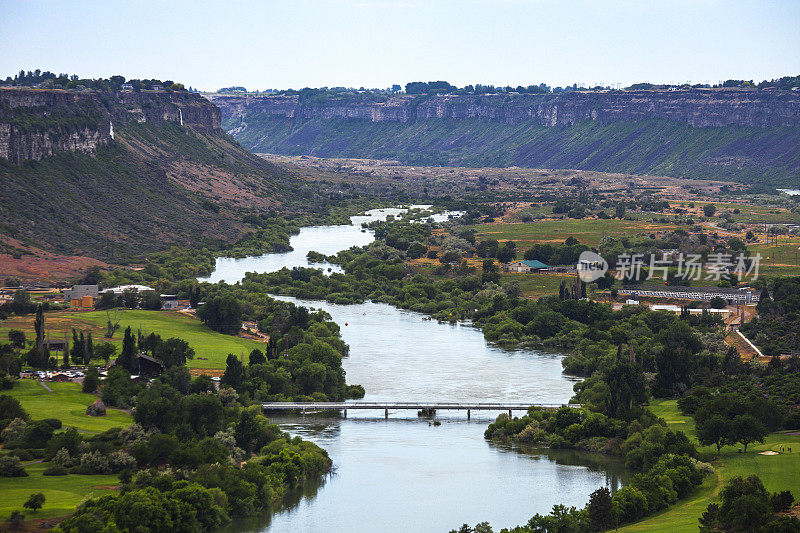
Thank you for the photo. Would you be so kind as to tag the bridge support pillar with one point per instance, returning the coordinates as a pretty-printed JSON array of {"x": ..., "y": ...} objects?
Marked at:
[
  {"x": 469, "y": 412},
  {"x": 509, "y": 414},
  {"x": 344, "y": 414},
  {"x": 386, "y": 413}
]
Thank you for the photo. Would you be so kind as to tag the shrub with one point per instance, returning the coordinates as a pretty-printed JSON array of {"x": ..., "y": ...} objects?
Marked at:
[
  {"x": 55, "y": 470},
  {"x": 13, "y": 431},
  {"x": 120, "y": 460},
  {"x": 11, "y": 466},
  {"x": 62, "y": 459},
  {"x": 94, "y": 463},
  {"x": 24, "y": 455}
]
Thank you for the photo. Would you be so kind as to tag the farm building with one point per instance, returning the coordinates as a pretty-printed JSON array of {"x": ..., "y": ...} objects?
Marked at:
[
  {"x": 529, "y": 265},
  {"x": 82, "y": 295}
]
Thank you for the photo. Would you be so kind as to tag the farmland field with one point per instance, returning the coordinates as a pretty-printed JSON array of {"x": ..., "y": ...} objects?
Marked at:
[{"x": 587, "y": 231}]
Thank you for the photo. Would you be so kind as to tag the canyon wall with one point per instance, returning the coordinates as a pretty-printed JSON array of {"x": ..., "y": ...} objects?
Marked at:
[
  {"x": 744, "y": 135},
  {"x": 697, "y": 108},
  {"x": 36, "y": 123}
]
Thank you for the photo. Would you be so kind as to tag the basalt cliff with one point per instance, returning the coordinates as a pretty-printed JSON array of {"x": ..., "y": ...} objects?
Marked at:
[
  {"x": 115, "y": 175},
  {"x": 37, "y": 123},
  {"x": 746, "y": 135}
]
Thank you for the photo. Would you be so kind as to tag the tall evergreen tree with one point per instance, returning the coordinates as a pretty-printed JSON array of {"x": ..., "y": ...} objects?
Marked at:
[
  {"x": 127, "y": 359},
  {"x": 88, "y": 348},
  {"x": 38, "y": 326}
]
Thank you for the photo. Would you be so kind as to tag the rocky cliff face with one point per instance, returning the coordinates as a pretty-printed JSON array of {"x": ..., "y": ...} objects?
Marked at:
[
  {"x": 36, "y": 123},
  {"x": 750, "y": 136},
  {"x": 697, "y": 108}
]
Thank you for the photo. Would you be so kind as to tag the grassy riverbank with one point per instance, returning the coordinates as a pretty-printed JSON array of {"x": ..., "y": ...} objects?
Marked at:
[{"x": 778, "y": 472}]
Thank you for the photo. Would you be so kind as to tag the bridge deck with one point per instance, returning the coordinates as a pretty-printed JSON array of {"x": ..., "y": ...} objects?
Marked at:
[{"x": 483, "y": 406}]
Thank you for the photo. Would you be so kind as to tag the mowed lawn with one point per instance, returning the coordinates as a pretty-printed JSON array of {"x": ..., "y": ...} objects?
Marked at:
[
  {"x": 777, "y": 472},
  {"x": 210, "y": 348},
  {"x": 67, "y": 403},
  {"x": 62, "y": 493},
  {"x": 587, "y": 231}
]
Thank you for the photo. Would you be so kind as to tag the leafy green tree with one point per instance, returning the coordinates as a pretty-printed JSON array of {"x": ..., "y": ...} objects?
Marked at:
[
  {"x": 35, "y": 502},
  {"x": 745, "y": 504},
  {"x": 491, "y": 273},
  {"x": 601, "y": 515},
  {"x": 174, "y": 352},
  {"x": 11, "y": 408},
  {"x": 158, "y": 407},
  {"x": 91, "y": 381},
  {"x": 234, "y": 374},
  {"x": 746, "y": 429},
  {"x": 709, "y": 210},
  {"x": 130, "y": 298},
  {"x": 256, "y": 358},
  {"x": 222, "y": 313},
  {"x": 107, "y": 300},
  {"x": 626, "y": 387},
  {"x": 105, "y": 351},
  {"x": 713, "y": 430},
  {"x": 150, "y": 300},
  {"x": 16, "y": 338}
]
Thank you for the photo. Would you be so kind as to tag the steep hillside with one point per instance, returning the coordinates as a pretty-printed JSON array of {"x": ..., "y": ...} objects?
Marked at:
[
  {"x": 168, "y": 176},
  {"x": 748, "y": 136}
]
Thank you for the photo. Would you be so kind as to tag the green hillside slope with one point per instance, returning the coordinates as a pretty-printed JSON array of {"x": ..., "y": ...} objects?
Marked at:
[{"x": 650, "y": 147}]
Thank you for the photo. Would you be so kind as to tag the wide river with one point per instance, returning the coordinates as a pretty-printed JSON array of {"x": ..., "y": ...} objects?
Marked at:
[{"x": 405, "y": 473}]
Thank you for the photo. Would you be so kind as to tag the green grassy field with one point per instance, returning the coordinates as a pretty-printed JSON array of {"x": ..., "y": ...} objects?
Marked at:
[
  {"x": 67, "y": 403},
  {"x": 777, "y": 472},
  {"x": 62, "y": 493},
  {"x": 211, "y": 348},
  {"x": 587, "y": 231},
  {"x": 535, "y": 285}
]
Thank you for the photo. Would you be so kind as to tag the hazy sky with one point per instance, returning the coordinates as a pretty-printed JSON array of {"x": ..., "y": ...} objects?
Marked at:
[{"x": 375, "y": 43}]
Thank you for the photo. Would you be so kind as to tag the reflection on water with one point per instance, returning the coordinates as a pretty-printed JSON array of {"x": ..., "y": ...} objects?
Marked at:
[{"x": 409, "y": 475}]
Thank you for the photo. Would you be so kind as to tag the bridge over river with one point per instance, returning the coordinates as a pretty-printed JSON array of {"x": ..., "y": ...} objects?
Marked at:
[{"x": 425, "y": 407}]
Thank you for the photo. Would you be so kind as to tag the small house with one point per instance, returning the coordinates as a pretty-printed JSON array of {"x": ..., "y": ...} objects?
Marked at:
[
  {"x": 149, "y": 366},
  {"x": 55, "y": 345},
  {"x": 126, "y": 87},
  {"x": 529, "y": 265},
  {"x": 156, "y": 88}
]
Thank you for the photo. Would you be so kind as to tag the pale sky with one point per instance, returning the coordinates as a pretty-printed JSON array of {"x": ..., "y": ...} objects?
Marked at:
[{"x": 375, "y": 43}]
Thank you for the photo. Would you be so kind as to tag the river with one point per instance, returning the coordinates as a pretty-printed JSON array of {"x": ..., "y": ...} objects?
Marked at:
[{"x": 405, "y": 473}]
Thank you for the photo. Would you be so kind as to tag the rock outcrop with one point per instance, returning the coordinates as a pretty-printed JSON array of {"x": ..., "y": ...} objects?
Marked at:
[
  {"x": 97, "y": 408},
  {"x": 36, "y": 123}
]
